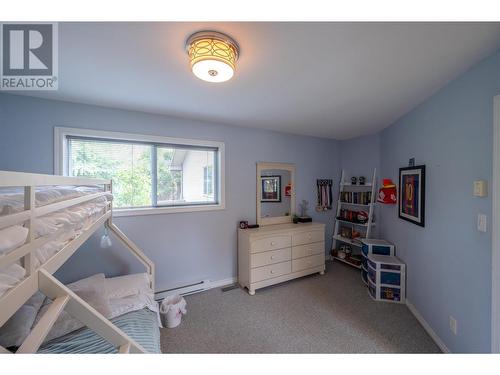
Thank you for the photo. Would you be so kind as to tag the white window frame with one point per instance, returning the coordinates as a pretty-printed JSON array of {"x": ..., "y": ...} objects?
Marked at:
[{"x": 61, "y": 157}]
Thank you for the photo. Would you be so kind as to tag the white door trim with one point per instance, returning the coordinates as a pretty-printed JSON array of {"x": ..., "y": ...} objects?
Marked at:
[{"x": 495, "y": 233}]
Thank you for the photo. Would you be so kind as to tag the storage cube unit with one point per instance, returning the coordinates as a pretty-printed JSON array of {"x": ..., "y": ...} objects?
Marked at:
[
  {"x": 386, "y": 278},
  {"x": 379, "y": 247},
  {"x": 372, "y": 246}
]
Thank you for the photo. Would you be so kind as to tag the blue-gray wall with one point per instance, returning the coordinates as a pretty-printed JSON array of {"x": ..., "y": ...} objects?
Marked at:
[
  {"x": 359, "y": 157},
  {"x": 186, "y": 247},
  {"x": 449, "y": 261}
]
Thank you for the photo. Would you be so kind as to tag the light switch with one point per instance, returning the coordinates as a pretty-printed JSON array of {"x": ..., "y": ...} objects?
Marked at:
[
  {"x": 480, "y": 189},
  {"x": 481, "y": 222}
]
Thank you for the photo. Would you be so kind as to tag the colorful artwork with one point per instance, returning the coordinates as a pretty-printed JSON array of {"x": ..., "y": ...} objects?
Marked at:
[{"x": 412, "y": 194}]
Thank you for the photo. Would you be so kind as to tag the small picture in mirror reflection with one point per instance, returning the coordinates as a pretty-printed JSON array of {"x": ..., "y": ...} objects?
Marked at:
[{"x": 271, "y": 189}]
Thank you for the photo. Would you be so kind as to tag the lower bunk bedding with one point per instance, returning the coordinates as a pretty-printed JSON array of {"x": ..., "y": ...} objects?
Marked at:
[
  {"x": 128, "y": 301},
  {"x": 140, "y": 325}
]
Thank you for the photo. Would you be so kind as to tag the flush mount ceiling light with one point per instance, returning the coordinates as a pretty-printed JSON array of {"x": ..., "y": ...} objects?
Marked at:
[{"x": 213, "y": 56}]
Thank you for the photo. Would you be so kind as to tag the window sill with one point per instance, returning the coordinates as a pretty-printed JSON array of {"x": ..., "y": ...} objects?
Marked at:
[{"x": 117, "y": 212}]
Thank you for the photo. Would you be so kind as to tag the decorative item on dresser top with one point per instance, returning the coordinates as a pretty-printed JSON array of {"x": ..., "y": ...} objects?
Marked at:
[{"x": 275, "y": 253}]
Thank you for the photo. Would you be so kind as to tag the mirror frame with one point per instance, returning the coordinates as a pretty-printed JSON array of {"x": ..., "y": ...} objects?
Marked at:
[{"x": 262, "y": 221}]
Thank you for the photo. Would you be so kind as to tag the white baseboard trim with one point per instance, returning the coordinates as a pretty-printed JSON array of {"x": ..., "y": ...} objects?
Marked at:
[
  {"x": 427, "y": 327},
  {"x": 195, "y": 288},
  {"x": 224, "y": 282}
]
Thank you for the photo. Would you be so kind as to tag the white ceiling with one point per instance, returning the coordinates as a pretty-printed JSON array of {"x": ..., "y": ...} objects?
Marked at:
[{"x": 336, "y": 80}]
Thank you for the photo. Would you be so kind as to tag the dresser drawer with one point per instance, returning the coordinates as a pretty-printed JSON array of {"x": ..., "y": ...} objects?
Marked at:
[
  {"x": 308, "y": 250},
  {"x": 268, "y": 272},
  {"x": 270, "y": 243},
  {"x": 270, "y": 257},
  {"x": 308, "y": 262},
  {"x": 308, "y": 237}
]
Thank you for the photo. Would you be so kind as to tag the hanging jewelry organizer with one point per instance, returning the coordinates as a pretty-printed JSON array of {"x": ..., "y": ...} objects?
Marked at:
[{"x": 324, "y": 190}]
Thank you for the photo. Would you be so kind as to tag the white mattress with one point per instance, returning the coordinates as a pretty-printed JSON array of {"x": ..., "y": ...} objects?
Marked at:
[{"x": 74, "y": 219}]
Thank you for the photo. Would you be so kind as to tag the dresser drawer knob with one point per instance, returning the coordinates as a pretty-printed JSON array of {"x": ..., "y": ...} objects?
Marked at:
[
  {"x": 272, "y": 271},
  {"x": 273, "y": 243},
  {"x": 272, "y": 256}
]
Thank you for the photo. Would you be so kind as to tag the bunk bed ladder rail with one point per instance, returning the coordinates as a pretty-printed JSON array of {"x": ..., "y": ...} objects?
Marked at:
[
  {"x": 64, "y": 299},
  {"x": 148, "y": 264}
]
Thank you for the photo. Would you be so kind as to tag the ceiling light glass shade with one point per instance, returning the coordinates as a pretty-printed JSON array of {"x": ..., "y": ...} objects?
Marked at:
[{"x": 213, "y": 56}]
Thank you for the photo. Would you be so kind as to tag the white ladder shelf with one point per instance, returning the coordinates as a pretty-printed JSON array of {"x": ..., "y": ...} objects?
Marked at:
[{"x": 370, "y": 186}]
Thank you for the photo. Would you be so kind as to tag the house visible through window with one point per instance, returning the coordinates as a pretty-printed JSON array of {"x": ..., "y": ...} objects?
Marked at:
[
  {"x": 147, "y": 174},
  {"x": 208, "y": 180}
]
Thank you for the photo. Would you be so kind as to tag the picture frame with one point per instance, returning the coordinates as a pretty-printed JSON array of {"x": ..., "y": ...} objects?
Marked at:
[
  {"x": 271, "y": 189},
  {"x": 411, "y": 202}
]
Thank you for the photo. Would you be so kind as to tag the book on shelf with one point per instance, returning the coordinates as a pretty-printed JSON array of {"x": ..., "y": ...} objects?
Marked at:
[{"x": 356, "y": 197}]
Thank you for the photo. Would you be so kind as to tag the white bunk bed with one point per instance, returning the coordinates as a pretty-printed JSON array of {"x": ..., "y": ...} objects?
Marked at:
[{"x": 60, "y": 214}]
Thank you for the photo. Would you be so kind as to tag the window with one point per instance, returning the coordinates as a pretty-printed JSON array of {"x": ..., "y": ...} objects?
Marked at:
[{"x": 147, "y": 172}]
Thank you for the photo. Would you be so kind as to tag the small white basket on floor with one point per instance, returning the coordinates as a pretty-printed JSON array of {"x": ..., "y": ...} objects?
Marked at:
[{"x": 171, "y": 310}]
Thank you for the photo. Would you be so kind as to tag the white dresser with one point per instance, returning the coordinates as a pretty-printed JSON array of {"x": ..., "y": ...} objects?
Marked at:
[{"x": 275, "y": 253}]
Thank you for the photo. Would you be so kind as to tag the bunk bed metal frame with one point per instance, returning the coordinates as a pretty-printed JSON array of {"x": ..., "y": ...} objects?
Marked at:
[{"x": 42, "y": 277}]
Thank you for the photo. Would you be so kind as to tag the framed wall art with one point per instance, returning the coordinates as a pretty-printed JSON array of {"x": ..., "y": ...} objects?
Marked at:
[
  {"x": 271, "y": 189},
  {"x": 412, "y": 194}
]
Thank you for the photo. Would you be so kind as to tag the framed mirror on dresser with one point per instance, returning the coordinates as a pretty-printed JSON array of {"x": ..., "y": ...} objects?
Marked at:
[
  {"x": 275, "y": 193},
  {"x": 278, "y": 250}
]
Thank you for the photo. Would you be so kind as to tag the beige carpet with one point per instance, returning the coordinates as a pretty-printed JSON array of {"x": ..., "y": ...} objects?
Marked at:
[{"x": 315, "y": 314}]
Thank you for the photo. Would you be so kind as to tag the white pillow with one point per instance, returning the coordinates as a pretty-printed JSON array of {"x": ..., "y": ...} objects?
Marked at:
[
  {"x": 65, "y": 323},
  {"x": 128, "y": 285},
  {"x": 90, "y": 282},
  {"x": 92, "y": 291},
  {"x": 12, "y": 237},
  {"x": 18, "y": 327}
]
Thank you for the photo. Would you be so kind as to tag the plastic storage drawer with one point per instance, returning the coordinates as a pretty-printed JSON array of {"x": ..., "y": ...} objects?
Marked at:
[
  {"x": 390, "y": 278},
  {"x": 390, "y": 294}
]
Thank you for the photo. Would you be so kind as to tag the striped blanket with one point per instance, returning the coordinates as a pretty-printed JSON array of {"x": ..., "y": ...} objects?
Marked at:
[{"x": 140, "y": 325}]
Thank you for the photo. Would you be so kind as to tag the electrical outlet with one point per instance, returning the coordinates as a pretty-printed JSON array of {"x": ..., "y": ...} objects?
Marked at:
[{"x": 453, "y": 325}]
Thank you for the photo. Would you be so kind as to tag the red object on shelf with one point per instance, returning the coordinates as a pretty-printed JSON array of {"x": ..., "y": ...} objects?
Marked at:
[{"x": 387, "y": 193}]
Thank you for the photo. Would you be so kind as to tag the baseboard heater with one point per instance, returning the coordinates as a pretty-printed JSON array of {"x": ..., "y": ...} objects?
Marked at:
[{"x": 184, "y": 290}]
